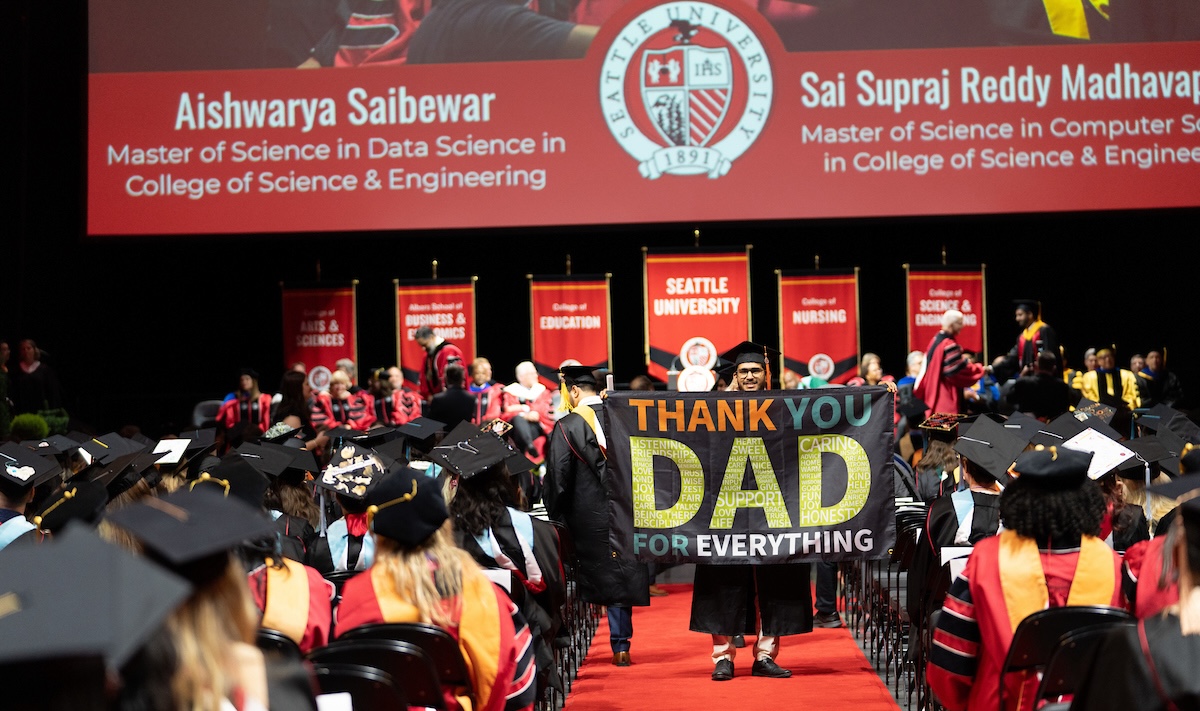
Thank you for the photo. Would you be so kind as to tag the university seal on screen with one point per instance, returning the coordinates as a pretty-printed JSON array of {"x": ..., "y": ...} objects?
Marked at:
[{"x": 686, "y": 88}]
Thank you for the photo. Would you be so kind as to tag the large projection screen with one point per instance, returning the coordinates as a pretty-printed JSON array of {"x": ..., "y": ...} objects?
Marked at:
[{"x": 257, "y": 116}]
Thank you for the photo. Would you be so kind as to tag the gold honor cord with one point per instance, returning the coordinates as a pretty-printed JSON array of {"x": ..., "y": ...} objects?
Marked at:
[
  {"x": 206, "y": 477},
  {"x": 374, "y": 509},
  {"x": 67, "y": 496}
]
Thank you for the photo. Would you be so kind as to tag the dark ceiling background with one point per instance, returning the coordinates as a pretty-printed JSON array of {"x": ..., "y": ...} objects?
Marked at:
[{"x": 141, "y": 329}]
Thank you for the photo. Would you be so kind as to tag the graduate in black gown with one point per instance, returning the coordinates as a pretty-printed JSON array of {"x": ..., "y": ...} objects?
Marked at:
[{"x": 1152, "y": 665}]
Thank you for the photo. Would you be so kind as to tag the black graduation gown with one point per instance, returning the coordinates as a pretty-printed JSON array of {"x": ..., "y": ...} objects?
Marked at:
[
  {"x": 576, "y": 493},
  {"x": 1120, "y": 676},
  {"x": 726, "y": 597}
]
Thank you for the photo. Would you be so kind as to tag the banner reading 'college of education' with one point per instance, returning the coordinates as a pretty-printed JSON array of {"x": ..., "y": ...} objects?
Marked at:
[
  {"x": 569, "y": 317},
  {"x": 445, "y": 305},
  {"x": 319, "y": 327},
  {"x": 697, "y": 307},
  {"x": 769, "y": 477},
  {"x": 934, "y": 290},
  {"x": 818, "y": 323}
]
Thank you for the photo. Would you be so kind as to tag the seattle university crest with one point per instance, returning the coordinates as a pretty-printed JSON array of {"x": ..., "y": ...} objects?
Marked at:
[{"x": 685, "y": 89}]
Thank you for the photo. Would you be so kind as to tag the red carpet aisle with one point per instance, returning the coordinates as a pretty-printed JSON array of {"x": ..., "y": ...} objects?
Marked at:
[{"x": 671, "y": 670}]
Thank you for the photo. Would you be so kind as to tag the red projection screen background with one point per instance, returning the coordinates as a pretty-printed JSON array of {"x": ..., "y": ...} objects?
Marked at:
[{"x": 199, "y": 121}]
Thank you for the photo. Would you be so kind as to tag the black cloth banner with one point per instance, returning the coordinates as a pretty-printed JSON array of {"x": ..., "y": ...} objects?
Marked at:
[{"x": 768, "y": 477}]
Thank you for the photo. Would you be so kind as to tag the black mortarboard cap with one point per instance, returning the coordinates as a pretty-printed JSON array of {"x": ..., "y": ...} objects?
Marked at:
[
  {"x": 1189, "y": 460},
  {"x": 377, "y": 435},
  {"x": 942, "y": 426},
  {"x": 235, "y": 475},
  {"x": 422, "y": 432},
  {"x": 108, "y": 447},
  {"x": 578, "y": 375},
  {"x": 23, "y": 469},
  {"x": 299, "y": 460},
  {"x": 352, "y": 471},
  {"x": 1149, "y": 449},
  {"x": 1053, "y": 467},
  {"x": 987, "y": 444},
  {"x": 282, "y": 436},
  {"x": 1158, "y": 417},
  {"x": 54, "y": 445},
  {"x": 1033, "y": 306},
  {"x": 341, "y": 434},
  {"x": 1177, "y": 487},
  {"x": 249, "y": 371},
  {"x": 192, "y": 532},
  {"x": 467, "y": 451},
  {"x": 751, "y": 352},
  {"x": 268, "y": 460},
  {"x": 407, "y": 507},
  {"x": 911, "y": 407},
  {"x": 1023, "y": 424},
  {"x": 46, "y": 614},
  {"x": 393, "y": 451},
  {"x": 82, "y": 501},
  {"x": 1066, "y": 426},
  {"x": 122, "y": 473}
]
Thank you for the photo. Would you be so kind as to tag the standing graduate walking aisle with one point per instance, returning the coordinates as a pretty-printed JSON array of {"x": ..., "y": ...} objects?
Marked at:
[{"x": 829, "y": 671}]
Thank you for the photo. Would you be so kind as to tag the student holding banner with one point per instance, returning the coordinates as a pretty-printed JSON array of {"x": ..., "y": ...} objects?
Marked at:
[{"x": 770, "y": 600}]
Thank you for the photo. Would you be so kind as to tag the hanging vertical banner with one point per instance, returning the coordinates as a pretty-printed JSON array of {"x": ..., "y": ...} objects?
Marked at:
[
  {"x": 818, "y": 323},
  {"x": 319, "y": 328},
  {"x": 570, "y": 319},
  {"x": 445, "y": 305},
  {"x": 934, "y": 290},
  {"x": 697, "y": 307}
]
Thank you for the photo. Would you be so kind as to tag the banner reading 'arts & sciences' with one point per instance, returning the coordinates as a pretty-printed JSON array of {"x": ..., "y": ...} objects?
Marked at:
[
  {"x": 319, "y": 328},
  {"x": 768, "y": 477}
]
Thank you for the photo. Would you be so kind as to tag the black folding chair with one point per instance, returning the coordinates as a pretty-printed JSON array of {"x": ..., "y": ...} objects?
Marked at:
[
  {"x": 1037, "y": 636},
  {"x": 368, "y": 687},
  {"x": 271, "y": 641},
  {"x": 409, "y": 667},
  {"x": 1068, "y": 663},
  {"x": 436, "y": 642}
]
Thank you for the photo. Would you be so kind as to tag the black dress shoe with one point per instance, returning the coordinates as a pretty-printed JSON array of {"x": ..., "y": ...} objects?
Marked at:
[
  {"x": 768, "y": 668},
  {"x": 739, "y": 641},
  {"x": 830, "y": 620},
  {"x": 724, "y": 670}
]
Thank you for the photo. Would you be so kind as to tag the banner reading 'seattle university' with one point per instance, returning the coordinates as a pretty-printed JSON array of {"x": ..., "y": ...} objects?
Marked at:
[
  {"x": 569, "y": 316},
  {"x": 697, "y": 307},
  {"x": 818, "y": 323},
  {"x": 934, "y": 290},
  {"x": 769, "y": 477},
  {"x": 319, "y": 328},
  {"x": 445, "y": 305}
]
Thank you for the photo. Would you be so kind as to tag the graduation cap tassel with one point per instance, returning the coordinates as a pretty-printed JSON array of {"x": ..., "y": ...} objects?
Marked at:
[{"x": 323, "y": 524}]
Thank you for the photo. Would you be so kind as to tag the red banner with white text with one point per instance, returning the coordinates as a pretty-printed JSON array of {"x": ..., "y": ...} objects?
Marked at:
[
  {"x": 756, "y": 110},
  {"x": 697, "y": 307},
  {"x": 570, "y": 318},
  {"x": 818, "y": 324},
  {"x": 445, "y": 305},
  {"x": 932, "y": 291},
  {"x": 319, "y": 328}
]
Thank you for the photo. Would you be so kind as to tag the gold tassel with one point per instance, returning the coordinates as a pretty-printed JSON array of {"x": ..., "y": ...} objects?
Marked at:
[{"x": 564, "y": 403}]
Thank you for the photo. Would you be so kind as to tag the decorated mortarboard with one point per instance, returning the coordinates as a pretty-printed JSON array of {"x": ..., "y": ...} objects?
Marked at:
[
  {"x": 1098, "y": 410},
  {"x": 54, "y": 445},
  {"x": 235, "y": 475},
  {"x": 1068, "y": 425},
  {"x": 107, "y": 448},
  {"x": 24, "y": 469},
  {"x": 422, "y": 432},
  {"x": 46, "y": 614},
  {"x": 82, "y": 501},
  {"x": 942, "y": 426},
  {"x": 352, "y": 471},
  {"x": 1053, "y": 467},
  {"x": 271, "y": 461},
  {"x": 467, "y": 451},
  {"x": 988, "y": 445},
  {"x": 1088, "y": 434},
  {"x": 280, "y": 433},
  {"x": 192, "y": 531},
  {"x": 406, "y": 506},
  {"x": 1149, "y": 451}
]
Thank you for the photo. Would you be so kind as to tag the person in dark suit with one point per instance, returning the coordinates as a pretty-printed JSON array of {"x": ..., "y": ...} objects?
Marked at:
[{"x": 454, "y": 404}]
